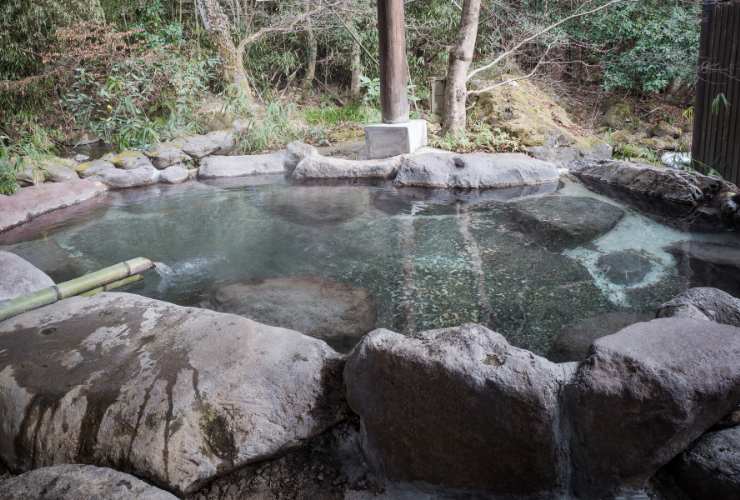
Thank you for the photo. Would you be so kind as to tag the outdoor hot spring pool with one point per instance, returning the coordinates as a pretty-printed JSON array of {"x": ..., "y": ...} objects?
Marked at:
[{"x": 338, "y": 261}]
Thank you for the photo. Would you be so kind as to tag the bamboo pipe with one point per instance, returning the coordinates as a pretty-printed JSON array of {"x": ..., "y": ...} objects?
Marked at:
[
  {"x": 77, "y": 286},
  {"x": 113, "y": 286}
]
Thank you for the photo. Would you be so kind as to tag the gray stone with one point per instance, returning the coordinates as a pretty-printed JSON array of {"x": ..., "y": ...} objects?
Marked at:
[
  {"x": 200, "y": 146},
  {"x": 704, "y": 303},
  {"x": 295, "y": 152},
  {"x": 95, "y": 167},
  {"x": 50, "y": 168},
  {"x": 118, "y": 178},
  {"x": 81, "y": 158},
  {"x": 644, "y": 395},
  {"x": 78, "y": 482},
  {"x": 385, "y": 140},
  {"x": 175, "y": 174},
  {"x": 215, "y": 167},
  {"x": 560, "y": 222},
  {"x": 57, "y": 172},
  {"x": 324, "y": 167},
  {"x": 458, "y": 408},
  {"x": 128, "y": 160},
  {"x": 166, "y": 154},
  {"x": 31, "y": 202},
  {"x": 626, "y": 267},
  {"x": 443, "y": 169},
  {"x": 174, "y": 394},
  {"x": 708, "y": 264},
  {"x": 574, "y": 340},
  {"x": 673, "y": 159},
  {"x": 29, "y": 175},
  {"x": 711, "y": 467},
  {"x": 19, "y": 277},
  {"x": 335, "y": 312}
]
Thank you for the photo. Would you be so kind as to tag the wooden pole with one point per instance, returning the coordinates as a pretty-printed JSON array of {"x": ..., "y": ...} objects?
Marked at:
[{"x": 393, "y": 65}]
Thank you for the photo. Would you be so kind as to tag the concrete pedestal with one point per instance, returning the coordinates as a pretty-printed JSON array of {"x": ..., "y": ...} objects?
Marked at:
[{"x": 385, "y": 140}]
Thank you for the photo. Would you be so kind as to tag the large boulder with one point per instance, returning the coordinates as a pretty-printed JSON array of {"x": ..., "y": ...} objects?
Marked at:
[
  {"x": 128, "y": 160},
  {"x": 336, "y": 312},
  {"x": 680, "y": 197},
  {"x": 31, "y": 202},
  {"x": 77, "y": 482},
  {"x": 19, "y": 277},
  {"x": 711, "y": 467},
  {"x": 561, "y": 222},
  {"x": 458, "y": 408},
  {"x": 295, "y": 152},
  {"x": 173, "y": 394},
  {"x": 708, "y": 264},
  {"x": 644, "y": 395},
  {"x": 200, "y": 146},
  {"x": 574, "y": 340},
  {"x": 94, "y": 168},
  {"x": 325, "y": 167},
  {"x": 708, "y": 304},
  {"x": 442, "y": 169},
  {"x": 119, "y": 178},
  {"x": 215, "y": 167}
]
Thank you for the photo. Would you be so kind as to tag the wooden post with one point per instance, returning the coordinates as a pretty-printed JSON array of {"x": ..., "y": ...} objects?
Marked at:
[{"x": 393, "y": 65}]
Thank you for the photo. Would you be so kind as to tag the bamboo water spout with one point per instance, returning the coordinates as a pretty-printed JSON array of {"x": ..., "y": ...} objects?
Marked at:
[{"x": 119, "y": 274}]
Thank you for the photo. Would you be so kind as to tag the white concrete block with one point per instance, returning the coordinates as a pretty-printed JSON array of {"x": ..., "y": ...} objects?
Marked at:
[{"x": 385, "y": 140}]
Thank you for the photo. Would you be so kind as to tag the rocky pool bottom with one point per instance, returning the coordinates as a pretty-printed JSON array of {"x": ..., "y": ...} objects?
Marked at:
[{"x": 550, "y": 267}]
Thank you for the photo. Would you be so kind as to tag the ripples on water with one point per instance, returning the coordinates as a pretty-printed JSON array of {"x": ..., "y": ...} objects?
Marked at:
[{"x": 426, "y": 260}]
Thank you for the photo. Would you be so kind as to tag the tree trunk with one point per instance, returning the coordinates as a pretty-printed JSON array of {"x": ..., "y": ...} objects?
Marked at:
[
  {"x": 356, "y": 63},
  {"x": 312, "y": 48},
  {"x": 461, "y": 57},
  {"x": 218, "y": 28}
]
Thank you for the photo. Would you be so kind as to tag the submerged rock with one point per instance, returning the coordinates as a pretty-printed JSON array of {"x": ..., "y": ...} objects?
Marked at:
[
  {"x": 215, "y": 167},
  {"x": 644, "y": 395},
  {"x": 31, "y": 202},
  {"x": 19, "y": 277},
  {"x": 711, "y": 467},
  {"x": 708, "y": 264},
  {"x": 325, "y": 167},
  {"x": 561, "y": 222},
  {"x": 77, "y": 482},
  {"x": 335, "y": 312},
  {"x": 119, "y": 178},
  {"x": 316, "y": 205},
  {"x": 442, "y": 169},
  {"x": 626, "y": 267},
  {"x": 173, "y": 394},
  {"x": 459, "y": 408},
  {"x": 175, "y": 174},
  {"x": 574, "y": 340},
  {"x": 708, "y": 304}
]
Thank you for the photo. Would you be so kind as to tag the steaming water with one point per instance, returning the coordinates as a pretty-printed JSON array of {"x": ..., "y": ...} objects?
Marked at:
[{"x": 425, "y": 260}]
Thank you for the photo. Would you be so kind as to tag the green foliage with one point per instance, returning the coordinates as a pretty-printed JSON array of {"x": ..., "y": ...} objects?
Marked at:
[
  {"x": 275, "y": 129},
  {"x": 8, "y": 169},
  {"x": 643, "y": 46},
  {"x": 479, "y": 137},
  {"x": 331, "y": 116},
  {"x": 635, "y": 152},
  {"x": 720, "y": 103},
  {"x": 142, "y": 99}
]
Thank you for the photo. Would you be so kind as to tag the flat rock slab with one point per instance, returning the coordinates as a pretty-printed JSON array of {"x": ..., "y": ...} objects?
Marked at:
[
  {"x": 19, "y": 277},
  {"x": 442, "y": 169},
  {"x": 315, "y": 167},
  {"x": 33, "y": 201},
  {"x": 708, "y": 304},
  {"x": 625, "y": 267},
  {"x": 176, "y": 174},
  {"x": 644, "y": 395},
  {"x": 336, "y": 312},
  {"x": 173, "y": 394},
  {"x": 561, "y": 222},
  {"x": 458, "y": 408},
  {"x": 711, "y": 467},
  {"x": 78, "y": 482},
  {"x": 215, "y": 167}
]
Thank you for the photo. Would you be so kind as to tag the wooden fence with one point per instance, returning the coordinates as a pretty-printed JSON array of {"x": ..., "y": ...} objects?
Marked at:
[{"x": 716, "y": 141}]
